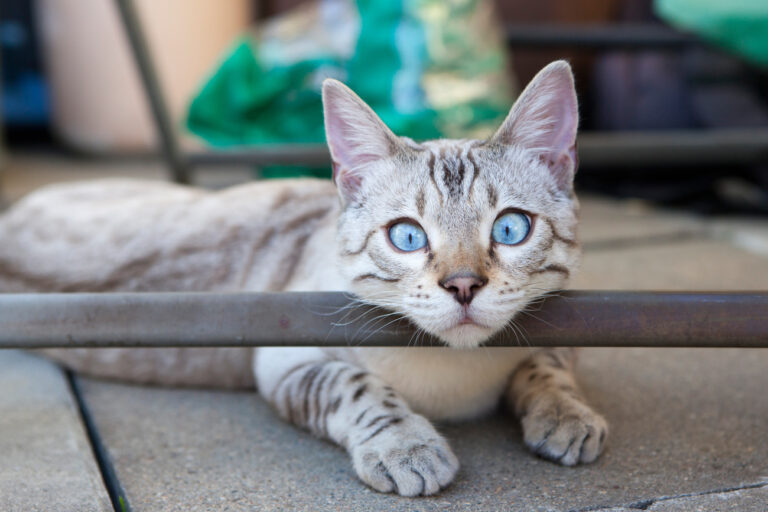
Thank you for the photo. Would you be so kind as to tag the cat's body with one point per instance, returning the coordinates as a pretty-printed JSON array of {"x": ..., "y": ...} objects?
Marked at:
[
  {"x": 457, "y": 235},
  {"x": 172, "y": 238}
]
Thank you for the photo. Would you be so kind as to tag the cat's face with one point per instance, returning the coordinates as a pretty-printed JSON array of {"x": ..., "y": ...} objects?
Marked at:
[{"x": 458, "y": 235}]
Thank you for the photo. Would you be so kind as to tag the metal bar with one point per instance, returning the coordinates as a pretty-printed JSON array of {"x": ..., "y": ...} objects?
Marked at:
[
  {"x": 576, "y": 318},
  {"x": 275, "y": 154},
  {"x": 3, "y": 153},
  {"x": 596, "y": 149},
  {"x": 622, "y": 36},
  {"x": 685, "y": 148},
  {"x": 168, "y": 143}
]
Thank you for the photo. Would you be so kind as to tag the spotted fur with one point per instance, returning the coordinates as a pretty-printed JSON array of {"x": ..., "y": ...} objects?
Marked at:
[{"x": 304, "y": 235}]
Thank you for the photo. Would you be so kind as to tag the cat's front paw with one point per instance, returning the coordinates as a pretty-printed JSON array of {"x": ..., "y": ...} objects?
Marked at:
[
  {"x": 408, "y": 457},
  {"x": 564, "y": 429}
]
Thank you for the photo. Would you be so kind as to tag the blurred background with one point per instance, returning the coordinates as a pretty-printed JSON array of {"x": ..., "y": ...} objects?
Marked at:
[{"x": 673, "y": 93}]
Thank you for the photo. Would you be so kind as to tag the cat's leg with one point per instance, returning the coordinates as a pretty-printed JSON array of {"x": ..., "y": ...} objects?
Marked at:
[
  {"x": 557, "y": 422},
  {"x": 392, "y": 448}
]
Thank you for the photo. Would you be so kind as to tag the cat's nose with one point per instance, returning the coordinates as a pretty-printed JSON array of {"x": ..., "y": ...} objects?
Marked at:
[{"x": 463, "y": 285}]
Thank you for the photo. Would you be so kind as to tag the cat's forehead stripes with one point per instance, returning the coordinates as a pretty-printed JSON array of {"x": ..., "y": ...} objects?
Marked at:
[
  {"x": 452, "y": 168},
  {"x": 420, "y": 202}
]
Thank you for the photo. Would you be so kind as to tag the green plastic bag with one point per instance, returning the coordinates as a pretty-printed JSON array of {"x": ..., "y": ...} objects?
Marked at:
[
  {"x": 739, "y": 25},
  {"x": 429, "y": 68}
]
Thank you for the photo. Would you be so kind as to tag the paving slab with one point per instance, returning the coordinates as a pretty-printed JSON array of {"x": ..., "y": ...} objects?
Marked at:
[
  {"x": 607, "y": 223},
  {"x": 685, "y": 265},
  {"x": 751, "y": 499},
  {"x": 742, "y": 500},
  {"x": 748, "y": 233},
  {"x": 682, "y": 421},
  {"x": 46, "y": 461}
]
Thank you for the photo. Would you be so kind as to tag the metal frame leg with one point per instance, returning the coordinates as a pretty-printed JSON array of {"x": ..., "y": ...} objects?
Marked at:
[{"x": 177, "y": 164}]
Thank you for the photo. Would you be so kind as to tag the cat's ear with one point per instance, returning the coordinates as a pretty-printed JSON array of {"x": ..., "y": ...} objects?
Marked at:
[
  {"x": 544, "y": 119},
  {"x": 356, "y": 136}
]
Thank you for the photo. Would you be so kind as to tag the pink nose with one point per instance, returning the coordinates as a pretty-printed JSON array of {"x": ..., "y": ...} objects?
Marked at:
[{"x": 463, "y": 285}]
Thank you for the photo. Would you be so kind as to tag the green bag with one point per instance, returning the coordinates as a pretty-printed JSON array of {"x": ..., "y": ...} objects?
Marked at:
[
  {"x": 739, "y": 25},
  {"x": 428, "y": 68}
]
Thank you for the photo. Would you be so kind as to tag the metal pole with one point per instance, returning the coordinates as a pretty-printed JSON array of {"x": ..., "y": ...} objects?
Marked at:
[
  {"x": 619, "y": 36},
  {"x": 596, "y": 150},
  {"x": 3, "y": 155},
  {"x": 576, "y": 318},
  {"x": 168, "y": 143}
]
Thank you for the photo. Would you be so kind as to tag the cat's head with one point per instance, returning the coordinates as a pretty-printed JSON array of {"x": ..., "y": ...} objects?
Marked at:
[{"x": 458, "y": 235}]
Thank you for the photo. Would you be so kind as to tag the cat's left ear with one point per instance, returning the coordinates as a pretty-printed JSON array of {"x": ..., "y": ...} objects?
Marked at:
[
  {"x": 545, "y": 119},
  {"x": 356, "y": 137}
]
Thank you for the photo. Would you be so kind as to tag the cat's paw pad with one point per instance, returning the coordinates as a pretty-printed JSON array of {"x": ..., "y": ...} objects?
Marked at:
[
  {"x": 410, "y": 459},
  {"x": 564, "y": 429}
]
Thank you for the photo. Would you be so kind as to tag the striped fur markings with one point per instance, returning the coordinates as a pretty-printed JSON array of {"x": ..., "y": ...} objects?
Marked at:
[
  {"x": 560, "y": 269},
  {"x": 431, "y": 164},
  {"x": 392, "y": 448},
  {"x": 362, "y": 248},
  {"x": 420, "y": 202},
  {"x": 453, "y": 170},
  {"x": 493, "y": 195},
  {"x": 369, "y": 275},
  {"x": 453, "y": 173},
  {"x": 557, "y": 423},
  {"x": 475, "y": 170},
  {"x": 570, "y": 242}
]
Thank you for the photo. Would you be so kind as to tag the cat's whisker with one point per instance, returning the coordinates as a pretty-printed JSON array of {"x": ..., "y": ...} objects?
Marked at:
[
  {"x": 416, "y": 336},
  {"x": 527, "y": 313},
  {"x": 509, "y": 329},
  {"x": 369, "y": 309},
  {"x": 376, "y": 319},
  {"x": 379, "y": 329},
  {"x": 515, "y": 328}
]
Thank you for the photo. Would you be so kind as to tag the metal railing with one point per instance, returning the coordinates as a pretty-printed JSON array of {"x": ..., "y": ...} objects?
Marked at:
[
  {"x": 596, "y": 150},
  {"x": 623, "y": 36},
  {"x": 573, "y": 318}
]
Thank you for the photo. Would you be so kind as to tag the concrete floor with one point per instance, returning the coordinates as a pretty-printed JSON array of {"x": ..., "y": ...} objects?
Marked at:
[
  {"x": 688, "y": 427},
  {"x": 683, "y": 422}
]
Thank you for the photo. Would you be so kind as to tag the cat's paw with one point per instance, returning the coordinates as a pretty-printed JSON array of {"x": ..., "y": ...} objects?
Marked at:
[
  {"x": 409, "y": 458},
  {"x": 564, "y": 429}
]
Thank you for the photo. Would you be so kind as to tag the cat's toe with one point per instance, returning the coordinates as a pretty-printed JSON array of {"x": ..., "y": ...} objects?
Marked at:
[
  {"x": 564, "y": 430},
  {"x": 408, "y": 461}
]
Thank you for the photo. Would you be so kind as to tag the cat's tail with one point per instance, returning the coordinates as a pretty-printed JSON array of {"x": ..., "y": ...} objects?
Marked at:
[{"x": 221, "y": 367}]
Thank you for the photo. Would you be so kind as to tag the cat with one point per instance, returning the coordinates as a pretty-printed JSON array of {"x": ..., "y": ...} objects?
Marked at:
[{"x": 457, "y": 235}]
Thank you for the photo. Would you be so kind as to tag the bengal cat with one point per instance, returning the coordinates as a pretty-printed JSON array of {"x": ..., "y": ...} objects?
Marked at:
[{"x": 456, "y": 235}]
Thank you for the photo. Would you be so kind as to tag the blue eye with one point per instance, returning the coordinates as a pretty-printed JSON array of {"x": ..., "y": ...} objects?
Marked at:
[
  {"x": 407, "y": 237},
  {"x": 511, "y": 228}
]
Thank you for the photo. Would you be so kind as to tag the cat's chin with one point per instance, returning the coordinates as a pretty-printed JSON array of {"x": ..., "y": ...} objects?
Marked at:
[{"x": 465, "y": 336}]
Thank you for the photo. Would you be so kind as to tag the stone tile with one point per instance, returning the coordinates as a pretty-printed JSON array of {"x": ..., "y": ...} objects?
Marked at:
[
  {"x": 687, "y": 265},
  {"x": 743, "y": 500},
  {"x": 682, "y": 421},
  {"x": 46, "y": 461},
  {"x": 747, "y": 233},
  {"x": 749, "y": 499},
  {"x": 604, "y": 221}
]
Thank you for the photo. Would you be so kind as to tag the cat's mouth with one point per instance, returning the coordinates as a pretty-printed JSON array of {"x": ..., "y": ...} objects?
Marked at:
[
  {"x": 467, "y": 319},
  {"x": 466, "y": 330}
]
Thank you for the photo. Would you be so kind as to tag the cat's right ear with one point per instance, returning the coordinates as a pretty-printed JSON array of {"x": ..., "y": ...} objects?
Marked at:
[
  {"x": 356, "y": 137},
  {"x": 544, "y": 119}
]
